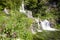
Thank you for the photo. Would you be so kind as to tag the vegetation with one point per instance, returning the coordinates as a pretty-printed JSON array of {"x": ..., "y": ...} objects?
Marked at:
[
  {"x": 17, "y": 25},
  {"x": 45, "y": 9}
]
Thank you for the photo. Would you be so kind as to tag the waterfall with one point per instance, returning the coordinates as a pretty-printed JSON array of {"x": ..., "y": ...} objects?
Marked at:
[
  {"x": 28, "y": 13},
  {"x": 43, "y": 25},
  {"x": 46, "y": 25}
]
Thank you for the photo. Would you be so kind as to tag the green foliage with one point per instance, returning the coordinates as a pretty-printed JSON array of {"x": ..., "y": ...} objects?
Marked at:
[
  {"x": 15, "y": 23},
  {"x": 47, "y": 36},
  {"x": 11, "y": 4}
]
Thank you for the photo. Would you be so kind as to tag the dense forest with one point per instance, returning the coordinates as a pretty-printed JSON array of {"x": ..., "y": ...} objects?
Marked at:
[{"x": 15, "y": 25}]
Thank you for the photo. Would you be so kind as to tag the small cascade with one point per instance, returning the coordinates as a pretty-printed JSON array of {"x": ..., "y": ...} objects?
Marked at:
[
  {"x": 22, "y": 9},
  {"x": 41, "y": 25},
  {"x": 6, "y": 11},
  {"x": 26, "y": 12},
  {"x": 46, "y": 25}
]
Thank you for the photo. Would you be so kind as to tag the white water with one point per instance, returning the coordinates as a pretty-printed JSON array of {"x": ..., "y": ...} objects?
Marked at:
[
  {"x": 45, "y": 25},
  {"x": 26, "y": 12},
  {"x": 6, "y": 11},
  {"x": 22, "y": 8}
]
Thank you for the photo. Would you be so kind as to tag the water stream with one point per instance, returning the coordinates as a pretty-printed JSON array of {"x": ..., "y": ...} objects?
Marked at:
[
  {"x": 45, "y": 24},
  {"x": 22, "y": 8}
]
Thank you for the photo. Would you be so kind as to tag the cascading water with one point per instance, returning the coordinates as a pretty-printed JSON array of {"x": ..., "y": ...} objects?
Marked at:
[
  {"x": 46, "y": 25},
  {"x": 6, "y": 11},
  {"x": 22, "y": 8},
  {"x": 43, "y": 25},
  {"x": 26, "y": 12}
]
